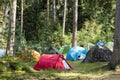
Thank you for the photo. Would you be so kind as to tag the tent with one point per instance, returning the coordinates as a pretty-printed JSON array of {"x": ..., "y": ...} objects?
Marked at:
[
  {"x": 89, "y": 46},
  {"x": 110, "y": 45},
  {"x": 2, "y": 52},
  {"x": 29, "y": 55},
  {"x": 98, "y": 53},
  {"x": 64, "y": 49},
  {"x": 52, "y": 50},
  {"x": 76, "y": 53},
  {"x": 52, "y": 61}
]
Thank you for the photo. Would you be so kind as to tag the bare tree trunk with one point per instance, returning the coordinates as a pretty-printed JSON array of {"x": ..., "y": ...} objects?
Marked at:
[
  {"x": 6, "y": 9},
  {"x": 11, "y": 39},
  {"x": 54, "y": 11},
  {"x": 116, "y": 50},
  {"x": 6, "y": 15},
  {"x": 64, "y": 16},
  {"x": 75, "y": 21},
  {"x": 47, "y": 11},
  {"x": 21, "y": 16}
]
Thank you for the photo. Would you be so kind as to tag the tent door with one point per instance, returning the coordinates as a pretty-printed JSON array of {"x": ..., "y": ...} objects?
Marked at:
[{"x": 66, "y": 65}]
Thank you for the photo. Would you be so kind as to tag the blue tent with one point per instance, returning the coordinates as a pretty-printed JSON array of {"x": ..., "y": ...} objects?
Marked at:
[
  {"x": 100, "y": 43},
  {"x": 76, "y": 53}
]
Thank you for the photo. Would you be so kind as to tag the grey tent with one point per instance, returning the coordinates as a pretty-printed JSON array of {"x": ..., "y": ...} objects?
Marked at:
[{"x": 98, "y": 53}]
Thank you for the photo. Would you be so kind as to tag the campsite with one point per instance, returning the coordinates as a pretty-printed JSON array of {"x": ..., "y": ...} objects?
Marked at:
[
  {"x": 59, "y": 39},
  {"x": 30, "y": 68},
  {"x": 87, "y": 71}
]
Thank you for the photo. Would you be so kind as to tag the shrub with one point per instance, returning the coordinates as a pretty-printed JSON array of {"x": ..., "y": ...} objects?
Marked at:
[{"x": 3, "y": 68}]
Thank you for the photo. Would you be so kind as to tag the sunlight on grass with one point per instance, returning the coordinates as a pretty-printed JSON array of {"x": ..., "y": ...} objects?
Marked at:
[
  {"x": 71, "y": 75},
  {"x": 68, "y": 74}
]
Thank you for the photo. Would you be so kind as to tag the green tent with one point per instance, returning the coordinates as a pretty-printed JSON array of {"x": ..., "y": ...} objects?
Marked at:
[
  {"x": 52, "y": 50},
  {"x": 64, "y": 49}
]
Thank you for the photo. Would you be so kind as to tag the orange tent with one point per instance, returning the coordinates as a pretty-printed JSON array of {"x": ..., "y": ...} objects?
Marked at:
[{"x": 30, "y": 55}]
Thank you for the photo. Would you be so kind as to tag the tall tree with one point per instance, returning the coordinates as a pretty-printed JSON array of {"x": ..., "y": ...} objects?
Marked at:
[
  {"x": 21, "y": 16},
  {"x": 47, "y": 11},
  {"x": 11, "y": 38},
  {"x": 75, "y": 21},
  {"x": 54, "y": 11},
  {"x": 6, "y": 10},
  {"x": 116, "y": 50},
  {"x": 64, "y": 16}
]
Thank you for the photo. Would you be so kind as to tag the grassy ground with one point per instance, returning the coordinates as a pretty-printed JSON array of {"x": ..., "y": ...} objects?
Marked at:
[{"x": 86, "y": 71}]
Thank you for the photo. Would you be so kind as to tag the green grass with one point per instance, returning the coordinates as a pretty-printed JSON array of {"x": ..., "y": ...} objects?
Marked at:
[{"x": 81, "y": 71}]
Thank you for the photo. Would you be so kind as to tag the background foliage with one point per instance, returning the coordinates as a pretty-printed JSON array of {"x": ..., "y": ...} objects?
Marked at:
[{"x": 95, "y": 23}]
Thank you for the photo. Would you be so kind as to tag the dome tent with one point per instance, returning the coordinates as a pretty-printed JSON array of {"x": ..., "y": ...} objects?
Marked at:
[
  {"x": 52, "y": 50},
  {"x": 110, "y": 45},
  {"x": 29, "y": 55},
  {"x": 2, "y": 52},
  {"x": 89, "y": 45},
  {"x": 98, "y": 53},
  {"x": 76, "y": 53},
  {"x": 64, "y": 49},
  {"x": 52, "y": 61}
]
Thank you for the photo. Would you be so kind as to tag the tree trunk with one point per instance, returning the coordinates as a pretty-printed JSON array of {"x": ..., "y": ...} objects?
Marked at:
[
  {"x": 116, "y": 50},
  {"x": 47, "y": 11},
  {"x": 11, "y": 38},
  {"x": 75, "y": 21},
  {"x": 21, "y": 16},
  {"x": 6, "y": 10},
  {"x": 64, "y": 16},
  {"x": 54, "y": 11},
  {"x": 6, "y": 15}
]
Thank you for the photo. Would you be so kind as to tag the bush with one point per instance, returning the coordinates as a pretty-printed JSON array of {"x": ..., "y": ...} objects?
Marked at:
[
  {"x": 91, "y": 32},
  {"x": 3, "y": 68}
]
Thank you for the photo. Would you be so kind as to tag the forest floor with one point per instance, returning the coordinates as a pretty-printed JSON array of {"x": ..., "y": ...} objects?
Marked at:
[{"x": 80, "y": 71}]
